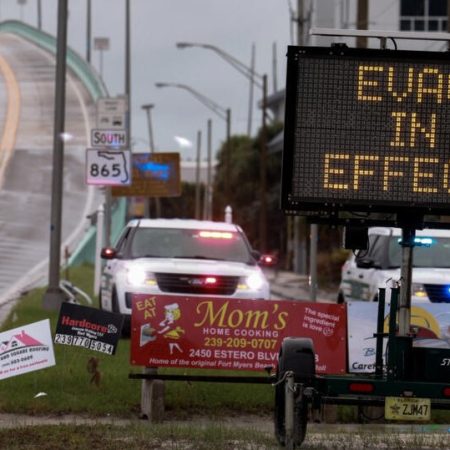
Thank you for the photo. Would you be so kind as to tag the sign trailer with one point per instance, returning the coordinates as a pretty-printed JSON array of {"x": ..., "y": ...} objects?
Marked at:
[{"x": 367, "y": 141}]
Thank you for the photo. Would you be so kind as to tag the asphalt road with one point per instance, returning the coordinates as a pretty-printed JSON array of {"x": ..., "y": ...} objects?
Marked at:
[
  {"x": 285, "y": 285},
  {"x": 27, "y": 76}
]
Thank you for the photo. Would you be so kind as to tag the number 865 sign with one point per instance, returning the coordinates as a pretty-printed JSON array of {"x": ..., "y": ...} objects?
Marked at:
[{"x": 108, "y": 167}]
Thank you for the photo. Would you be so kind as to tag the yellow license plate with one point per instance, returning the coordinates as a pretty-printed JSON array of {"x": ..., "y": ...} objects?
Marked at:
[{"x": 407, "y": 408}]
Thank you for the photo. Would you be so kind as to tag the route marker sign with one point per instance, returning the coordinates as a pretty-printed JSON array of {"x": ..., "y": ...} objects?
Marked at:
[
  {"x": 112, "y": 139},
  {"x": 108, "y": 167}
]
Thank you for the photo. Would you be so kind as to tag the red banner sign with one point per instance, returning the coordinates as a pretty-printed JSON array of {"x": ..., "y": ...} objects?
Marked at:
[{"x": 217, "y": 333}]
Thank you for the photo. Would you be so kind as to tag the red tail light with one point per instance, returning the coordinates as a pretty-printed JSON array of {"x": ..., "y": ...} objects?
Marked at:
[{"x": 446, "y": 391}]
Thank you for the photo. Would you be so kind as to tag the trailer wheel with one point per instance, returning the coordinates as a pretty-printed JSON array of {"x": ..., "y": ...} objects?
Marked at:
[{"x": 296, "y": 355}]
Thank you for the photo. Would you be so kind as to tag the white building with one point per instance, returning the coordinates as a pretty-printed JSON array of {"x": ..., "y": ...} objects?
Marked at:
[{"x": 390, "y": 15}]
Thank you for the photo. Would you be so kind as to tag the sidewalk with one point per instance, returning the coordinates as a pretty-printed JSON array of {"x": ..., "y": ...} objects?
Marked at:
[{"x": 294, "y": 286}]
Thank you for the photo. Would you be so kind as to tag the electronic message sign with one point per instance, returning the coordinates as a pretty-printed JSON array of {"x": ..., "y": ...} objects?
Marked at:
[{"x": 366, "y": 130}]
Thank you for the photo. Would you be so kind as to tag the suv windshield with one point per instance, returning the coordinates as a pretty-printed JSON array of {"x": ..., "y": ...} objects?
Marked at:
[
  {"x": 428, "y": 252},
  {"x": 187, "y": 243}
]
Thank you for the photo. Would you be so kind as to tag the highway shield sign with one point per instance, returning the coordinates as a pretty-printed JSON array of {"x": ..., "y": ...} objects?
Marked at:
[{"x": 108, "y": 167}]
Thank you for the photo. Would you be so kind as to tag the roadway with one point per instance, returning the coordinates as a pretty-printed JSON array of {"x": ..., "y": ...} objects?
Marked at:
[
  {"x": 27, "y": 75},
  {"x": 285, "y": 285}
]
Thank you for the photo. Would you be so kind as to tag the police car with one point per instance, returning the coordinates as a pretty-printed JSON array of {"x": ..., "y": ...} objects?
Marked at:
[
  {"x": 365, "y": 272},
  {"x": 180, "y": 257}
]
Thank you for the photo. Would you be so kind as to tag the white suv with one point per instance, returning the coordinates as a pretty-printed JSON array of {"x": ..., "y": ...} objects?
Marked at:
[
  {"x": 367, "y": 271},
  {"x": 175, "y": 256}
]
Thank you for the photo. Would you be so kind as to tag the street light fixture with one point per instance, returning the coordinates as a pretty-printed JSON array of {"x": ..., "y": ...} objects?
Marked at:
[
  {"x": 261, "y": 82},
  {"x": 224, "y": 114}
]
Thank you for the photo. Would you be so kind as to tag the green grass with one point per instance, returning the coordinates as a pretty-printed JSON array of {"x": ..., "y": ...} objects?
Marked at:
[
  {"x": 69, "y": 390},
  {"x": 137, "y": 436}
]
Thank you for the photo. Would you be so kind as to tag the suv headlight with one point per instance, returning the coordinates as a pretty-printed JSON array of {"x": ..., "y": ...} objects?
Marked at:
[
  {"x": 138, "y": 276},
  {"x": 418, "y": 290},
  {"x": 253, "y": 282}
]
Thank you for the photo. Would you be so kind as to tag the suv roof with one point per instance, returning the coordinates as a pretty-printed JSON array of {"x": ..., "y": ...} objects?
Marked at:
[
  {"x": 184, "y": 224},
  {"x": 387, "y": 231}
]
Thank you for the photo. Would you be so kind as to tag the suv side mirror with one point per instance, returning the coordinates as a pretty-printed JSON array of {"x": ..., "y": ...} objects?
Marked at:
[
  {"x": 367, "y": 263},
  {"x": 108, "y": 253}
]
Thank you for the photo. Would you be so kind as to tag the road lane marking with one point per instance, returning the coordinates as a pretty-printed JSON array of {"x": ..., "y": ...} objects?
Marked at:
[{"x": 11, "y": 124}]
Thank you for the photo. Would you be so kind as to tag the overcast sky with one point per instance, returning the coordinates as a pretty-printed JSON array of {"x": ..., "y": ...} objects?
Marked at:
[{"x": 156, "y": 26}]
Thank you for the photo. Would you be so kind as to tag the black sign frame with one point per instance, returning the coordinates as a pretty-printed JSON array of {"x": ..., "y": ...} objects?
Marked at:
[{"x": 330, "y": 207}]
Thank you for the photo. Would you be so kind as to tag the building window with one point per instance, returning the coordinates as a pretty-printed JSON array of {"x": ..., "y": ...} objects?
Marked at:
[{"x": 423, "y": 15}]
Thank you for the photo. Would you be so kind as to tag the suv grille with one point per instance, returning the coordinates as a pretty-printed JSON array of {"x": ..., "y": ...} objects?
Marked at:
[
  {"x": 438, "y": 293},
  {"x": 196, "y": 284}
]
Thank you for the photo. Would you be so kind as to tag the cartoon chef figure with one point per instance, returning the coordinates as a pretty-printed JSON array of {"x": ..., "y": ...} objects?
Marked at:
[{"x": 172, "y": 313}]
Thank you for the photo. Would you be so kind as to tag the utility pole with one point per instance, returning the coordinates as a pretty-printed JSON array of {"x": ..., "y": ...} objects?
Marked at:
[
  {"x": 448, "y": 22},
  {"x": 88, "y": 32},
  {"x": 39, "y": 14},
  {"x": 207, "y": 213},
  {"x": 263, "y": 172},
  {"x": 197, "y": 176},
  {"x": 362, "y": 22},
  {"x": 250, "y": 97},
  {"x": 54, "y": 296}
]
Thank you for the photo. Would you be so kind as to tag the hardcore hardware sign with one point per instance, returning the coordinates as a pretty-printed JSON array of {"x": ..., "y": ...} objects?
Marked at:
[{"x": 88, "y": 327}]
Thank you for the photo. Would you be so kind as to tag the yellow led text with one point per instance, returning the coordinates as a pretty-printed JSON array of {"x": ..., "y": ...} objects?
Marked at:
[{"x": 345, "y": 171}]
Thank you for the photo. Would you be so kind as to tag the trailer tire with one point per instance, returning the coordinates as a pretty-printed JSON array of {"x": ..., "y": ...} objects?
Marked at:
[{"x": 296, "y": 355}]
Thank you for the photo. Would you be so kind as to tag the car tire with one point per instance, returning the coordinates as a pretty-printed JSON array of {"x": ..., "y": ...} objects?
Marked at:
[
  {"x": 126, "y": 328},
  {"x": 114, "y": 302},
  {"x": 340, "y": 298}
]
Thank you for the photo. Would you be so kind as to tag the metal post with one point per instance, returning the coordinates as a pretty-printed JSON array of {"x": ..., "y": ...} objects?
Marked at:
[
  {"x": 54, "y": 296},
  {"x": 228, "y": 156},
  {"x": 228, "y": 214},
  {"x": 404, "y": 313},
  {"x": 98, "y": 249},
  {"x": 289, "y": 410},
  {"x": 313, "y": 262},
  {"x": 263, "y": 174},
  {"x": 107, "y": 218},
  {"x": 208, "y": 189},
  {"x": 88, "y": 32},
  {"x": 147, "y": 108},
  {"x": 250, "y": 97},
  {"x": 362, "y": 22},
  {"x": 128, "y": 65},
  {"x": 197, "y": 176},
  {"x": 39, "y": 14}
]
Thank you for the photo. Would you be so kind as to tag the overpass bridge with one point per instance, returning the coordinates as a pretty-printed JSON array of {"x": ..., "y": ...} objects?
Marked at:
[{"x": 27, "y": 78}]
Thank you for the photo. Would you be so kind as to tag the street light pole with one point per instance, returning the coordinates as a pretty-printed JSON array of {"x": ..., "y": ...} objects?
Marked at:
[
  {"x": 261, "y": 82},
  {"x": 263, "y": 172},
  {"x": 224, "y": 114},
  {"x": 147, "y": 108},
  {"x": 39, "y": 14},
  {"x": 197, "y": 175},
  {"x": 88, "y": 31},
  {"x": 54, "y": 296}
]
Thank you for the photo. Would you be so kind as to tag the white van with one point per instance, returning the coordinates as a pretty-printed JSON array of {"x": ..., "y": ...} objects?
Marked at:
[{"x": 365, "y": 272}]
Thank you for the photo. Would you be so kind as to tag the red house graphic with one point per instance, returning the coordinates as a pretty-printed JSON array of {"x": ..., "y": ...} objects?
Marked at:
[{"x": 17, "y": 341}]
